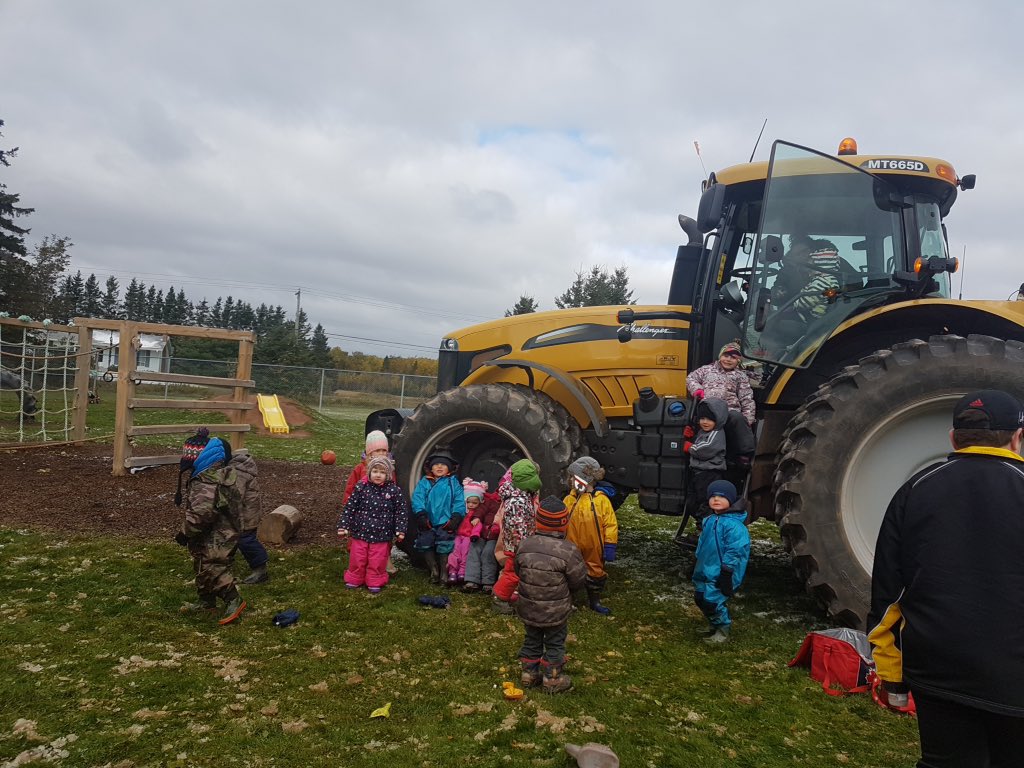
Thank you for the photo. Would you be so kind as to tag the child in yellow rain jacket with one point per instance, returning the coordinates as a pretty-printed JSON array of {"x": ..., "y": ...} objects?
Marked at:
[{"x": 592, "y": 526}]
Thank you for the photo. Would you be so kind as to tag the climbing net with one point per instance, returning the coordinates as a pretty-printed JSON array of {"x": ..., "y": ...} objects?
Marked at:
[{"x": 37, "y": 382}]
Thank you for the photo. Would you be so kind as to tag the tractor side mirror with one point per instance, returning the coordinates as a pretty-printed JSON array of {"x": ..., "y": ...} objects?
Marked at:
[{"x": 711, "y": 208}]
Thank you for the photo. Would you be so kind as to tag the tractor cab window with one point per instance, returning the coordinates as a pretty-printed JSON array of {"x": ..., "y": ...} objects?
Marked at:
[
  {"x": 829, "y": 238},
  {"x": 932, "y": 237}
]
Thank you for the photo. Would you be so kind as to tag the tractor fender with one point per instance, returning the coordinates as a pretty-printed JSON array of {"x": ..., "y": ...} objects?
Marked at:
[
  {"x": 581, "y": 403},
  {"x": 881, "y": 328}
]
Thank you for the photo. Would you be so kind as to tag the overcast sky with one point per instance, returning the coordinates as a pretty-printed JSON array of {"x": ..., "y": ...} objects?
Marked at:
[{"x": 414, "y": 167}]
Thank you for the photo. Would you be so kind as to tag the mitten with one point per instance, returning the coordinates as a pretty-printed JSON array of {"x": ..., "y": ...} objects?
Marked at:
[
  {"x": 687, "y": 446},
  {"x": 453, "y": 524},
  {"x": 724, "y": 582},
  {"x": 181, "y": 538},
  {"x": 689, "y": 432},
  {"x": 422, "y": 521},
  {"x": 609, "y": 553},
  {"x": 699, "y": 394},
  {"x": 474, "y": 538},
  {"x": 435, "y": 601}
]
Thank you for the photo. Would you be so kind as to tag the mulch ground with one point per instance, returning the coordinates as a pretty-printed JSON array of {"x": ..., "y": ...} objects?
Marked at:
[{"x": 69, "y": 489}]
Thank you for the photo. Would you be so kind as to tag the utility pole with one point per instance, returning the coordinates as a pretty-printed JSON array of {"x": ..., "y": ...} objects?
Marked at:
[{"x": 298, "y": 309}]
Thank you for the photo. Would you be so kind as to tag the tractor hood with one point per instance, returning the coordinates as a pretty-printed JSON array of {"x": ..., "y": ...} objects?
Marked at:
[{"x": 582, "y": 345}]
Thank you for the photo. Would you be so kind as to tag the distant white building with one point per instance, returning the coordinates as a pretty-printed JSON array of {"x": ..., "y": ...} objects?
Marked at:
[{"x": 154, "y": 353}]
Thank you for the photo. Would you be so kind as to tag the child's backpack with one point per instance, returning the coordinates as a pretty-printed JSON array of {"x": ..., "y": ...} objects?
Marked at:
[
  {"x": 840, "y": 659},
  {"x": 189, "y": 453}
]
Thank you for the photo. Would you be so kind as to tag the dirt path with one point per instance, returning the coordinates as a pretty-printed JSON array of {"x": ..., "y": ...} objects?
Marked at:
[{"x": 70, "y": 489}]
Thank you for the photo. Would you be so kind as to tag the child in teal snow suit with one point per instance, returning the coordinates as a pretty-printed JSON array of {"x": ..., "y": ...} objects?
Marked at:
[
  {"x": 722, "y": 555},
  {"x": 438, "y": 506}
]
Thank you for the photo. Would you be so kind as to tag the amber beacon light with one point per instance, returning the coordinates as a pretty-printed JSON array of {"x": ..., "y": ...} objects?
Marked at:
[{"x": 848, "y": 146}]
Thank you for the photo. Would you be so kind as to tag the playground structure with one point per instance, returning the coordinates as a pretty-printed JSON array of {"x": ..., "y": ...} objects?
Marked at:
[
  {"x": 273, "y": 414},
  {"x": 52, "y": 364}
]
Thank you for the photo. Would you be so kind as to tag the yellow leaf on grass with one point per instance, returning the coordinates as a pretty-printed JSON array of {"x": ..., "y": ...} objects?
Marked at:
[{"x": 384, "y": 711}]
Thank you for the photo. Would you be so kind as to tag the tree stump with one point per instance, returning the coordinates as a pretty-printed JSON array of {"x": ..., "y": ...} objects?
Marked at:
[{"x": 280, "y": 525}]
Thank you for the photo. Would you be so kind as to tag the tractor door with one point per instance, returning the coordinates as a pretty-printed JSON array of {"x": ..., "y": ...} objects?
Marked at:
[{"x": 829, "y": 238}]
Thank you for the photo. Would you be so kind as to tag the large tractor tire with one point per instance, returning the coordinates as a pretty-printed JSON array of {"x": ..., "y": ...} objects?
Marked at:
[
  {"x": 862, "y": 435},
  {"x": 488, "y": 427}
]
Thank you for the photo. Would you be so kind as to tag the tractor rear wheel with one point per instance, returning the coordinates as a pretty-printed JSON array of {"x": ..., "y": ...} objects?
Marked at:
[
  {"x": 862, "y": 435},
  {"x": 488, "y": 427}
]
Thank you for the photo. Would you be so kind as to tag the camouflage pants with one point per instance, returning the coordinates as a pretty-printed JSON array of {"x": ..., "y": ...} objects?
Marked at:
[{"x": 211, "y": 559}]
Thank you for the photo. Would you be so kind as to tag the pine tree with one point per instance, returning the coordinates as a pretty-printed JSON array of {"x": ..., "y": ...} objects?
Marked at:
[
  {"x": 92, "y": 297},
  {"x": 320, "y": 348},
  {"x": 135, "y": 301},
  {"x": 598, "y": 288},
  {"x": 216, "y": 312},
  {"x": 201, "y": 314},
  {"x": 524, "y": 306},
  {"x": 15, "y": 275},
  {"x": 110, "y": 304},
  {"x": 227, "y": 314}
]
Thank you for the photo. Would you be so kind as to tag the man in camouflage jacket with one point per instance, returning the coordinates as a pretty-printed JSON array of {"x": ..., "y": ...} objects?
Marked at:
[{"x": 211, "y": 530}]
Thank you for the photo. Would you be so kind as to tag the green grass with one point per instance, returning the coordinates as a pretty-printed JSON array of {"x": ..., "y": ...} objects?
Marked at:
[{"x": 95, "y": 647}]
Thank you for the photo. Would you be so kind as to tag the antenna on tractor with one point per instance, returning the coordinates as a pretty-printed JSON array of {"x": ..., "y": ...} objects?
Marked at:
[
  {"x": 696, "y": 146},
  {"x": 758, "y": 141},
  {"x": 963, "y": 263}
]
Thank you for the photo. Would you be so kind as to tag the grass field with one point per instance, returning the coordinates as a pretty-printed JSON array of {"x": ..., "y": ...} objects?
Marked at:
[{"x": 100, "y": 669}]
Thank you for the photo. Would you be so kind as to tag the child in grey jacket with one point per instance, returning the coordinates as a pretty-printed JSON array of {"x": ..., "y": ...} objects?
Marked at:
[{"x": 706, "y": 451}]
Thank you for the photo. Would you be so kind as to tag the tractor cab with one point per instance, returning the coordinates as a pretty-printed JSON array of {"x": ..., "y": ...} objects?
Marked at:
[{"x": 797, "y": 247}]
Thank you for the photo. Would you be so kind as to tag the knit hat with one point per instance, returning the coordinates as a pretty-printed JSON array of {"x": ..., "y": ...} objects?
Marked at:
[
  {"x": 587, "y": 468},
  {"x": 215, "y": 451},
  {"x": 441, "y": 456},
  {"x": 525, "y": 476},
  {"x": 552, "y": 515},
  {"x": 471, "y": 487},
  {"x": 376, "y": 441},
  {"x": 723, "y": 488},
  {"x": 381, "y": 462},
  {"x": 1002, "y": 410},
  {"x": 733, "y": 348},
  {"x": 189, "y": 453}
]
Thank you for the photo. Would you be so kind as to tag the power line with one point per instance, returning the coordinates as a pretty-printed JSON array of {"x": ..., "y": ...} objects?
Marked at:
[{"x": 381, "y": 341}]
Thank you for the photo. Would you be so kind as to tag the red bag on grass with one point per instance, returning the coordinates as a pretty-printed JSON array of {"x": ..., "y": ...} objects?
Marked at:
[
  {"x": 882, "y": 699},
  {"x": 840, "y": 659}
]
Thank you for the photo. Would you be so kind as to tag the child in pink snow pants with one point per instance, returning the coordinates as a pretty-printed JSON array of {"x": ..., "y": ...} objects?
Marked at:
[
  {"x": 374, "y": 516},
  {"x": 469, "y": 530}
]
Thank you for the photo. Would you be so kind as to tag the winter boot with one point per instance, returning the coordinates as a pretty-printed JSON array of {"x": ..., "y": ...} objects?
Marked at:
[
  {"x": 707, "y": 631},
  {"x": 532, "y": 674},
  {"x": 259, "y": 575},
  {"x": 555, "y": 681},
  {"x": 391, "y": 568},
  {"x": 206, "y": 604},
  {"x": 233, "y": 609},
  {"x": 720, "y": 635},
  {"x": 500, "y": 606},
  {"x": 594, "y": 601},
  {"x": 469, "y": 586},
  {"x": 435, "y": 574}
]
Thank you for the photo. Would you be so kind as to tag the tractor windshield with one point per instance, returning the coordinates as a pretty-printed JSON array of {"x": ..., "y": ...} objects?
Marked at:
[{"x": 831, "y": 237}]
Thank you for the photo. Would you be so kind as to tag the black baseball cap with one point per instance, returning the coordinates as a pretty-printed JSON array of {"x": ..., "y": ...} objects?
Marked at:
[{"x": 1003, "y": 410}]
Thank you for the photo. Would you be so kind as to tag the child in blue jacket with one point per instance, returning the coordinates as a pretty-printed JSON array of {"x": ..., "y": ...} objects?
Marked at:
[
  {"x": 723, "y": 551},
  {"x": 438, "y": 506}
]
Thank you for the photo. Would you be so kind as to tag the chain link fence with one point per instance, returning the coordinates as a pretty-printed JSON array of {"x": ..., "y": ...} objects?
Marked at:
[{"x": 327, "y": 389}]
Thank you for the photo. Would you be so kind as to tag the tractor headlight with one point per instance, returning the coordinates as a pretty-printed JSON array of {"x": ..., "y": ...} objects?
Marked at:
[{"x": 450, "y": 345}]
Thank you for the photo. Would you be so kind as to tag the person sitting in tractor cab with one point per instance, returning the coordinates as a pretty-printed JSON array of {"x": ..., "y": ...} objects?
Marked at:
[{"x": 811, "y": 276}]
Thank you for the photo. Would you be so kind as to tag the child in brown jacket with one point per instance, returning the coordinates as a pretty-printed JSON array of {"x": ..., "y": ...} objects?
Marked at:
[{"x": 550, "y": 570}]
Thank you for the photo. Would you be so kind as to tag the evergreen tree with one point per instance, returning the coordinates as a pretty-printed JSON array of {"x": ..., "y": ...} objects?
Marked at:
[
  {"x": 201, "y": 314},
  {"x": 524, "y": 306},
  {"x": 598, "y": 288},
  {"x": 227, "y": 314},
  {"x": 320, "y": 348},
  {"x": 135, "y": 301},
  {"x": 92, "y": 297},
  {"x": 49, "y": 261},
  {"x": 110, "y": 304},
  {"x": 215, "y": 314},
  {"x": 15, "y": 276},
  {"x": 70, "y": 298}
]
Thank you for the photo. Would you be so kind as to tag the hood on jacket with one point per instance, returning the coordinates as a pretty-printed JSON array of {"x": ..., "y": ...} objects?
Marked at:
[
  {"x": 717, "y": 408},
  {"x": 242, "y": 461}
]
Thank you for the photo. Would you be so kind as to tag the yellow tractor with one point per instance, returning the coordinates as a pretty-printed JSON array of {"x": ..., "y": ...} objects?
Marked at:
[{"x": 855, "y": 371}]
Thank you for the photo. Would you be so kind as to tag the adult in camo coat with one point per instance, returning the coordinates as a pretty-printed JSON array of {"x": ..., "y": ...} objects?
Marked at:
[
  {"x": 247, "y": 502},
  {"x": 211, "y": 525}
]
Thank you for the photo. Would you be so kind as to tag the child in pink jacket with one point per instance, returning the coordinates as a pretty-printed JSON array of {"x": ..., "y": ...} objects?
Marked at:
[{"x": 469, "y": 530}]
